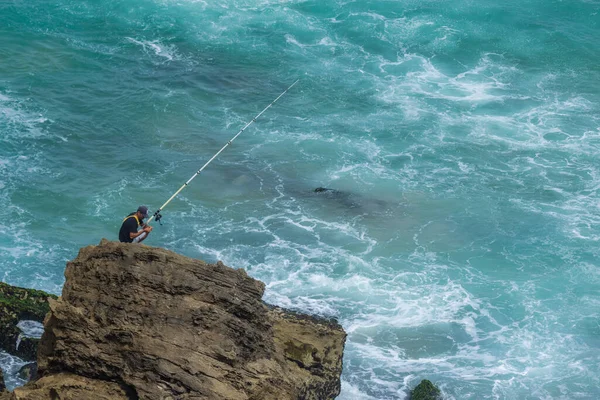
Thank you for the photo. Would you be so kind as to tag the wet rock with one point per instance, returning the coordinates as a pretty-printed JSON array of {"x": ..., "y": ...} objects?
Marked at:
[
  {"x": 26, "y": 348},
  {"x": 18, "y": 304},
  {"x": 28, "y": 371},
  {"x": 4, "y": 394}
]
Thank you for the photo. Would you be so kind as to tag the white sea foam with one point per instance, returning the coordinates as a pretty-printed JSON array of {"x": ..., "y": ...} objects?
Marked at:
[
  {"x": 17, "y": 122},
  {"x": 324, "y": 41},
  {"x": 203, "y": 3},
  {"x": 22, "y": 253},
  {"x": 102, "y": 202},
  {"x": 31, "y": 329},
  {"x": 447, "y": 32},
  {"x": 292, "y": 40},
  {"x": 481, "y": 84},
  {"x": 10, "y": 367},
  {"x": 372, "y": 15},
  {"x": 350, "y": 391},
  {"x": 169, "y": 52},
  {"x": 406, "y": 307}
]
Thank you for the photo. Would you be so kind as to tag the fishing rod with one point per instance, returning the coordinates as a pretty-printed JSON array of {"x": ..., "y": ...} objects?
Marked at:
[{"x": 157, "y": 215}]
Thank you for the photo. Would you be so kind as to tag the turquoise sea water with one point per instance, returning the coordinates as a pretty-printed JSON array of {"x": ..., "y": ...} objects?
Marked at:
[{"x": 463, "y": 135}]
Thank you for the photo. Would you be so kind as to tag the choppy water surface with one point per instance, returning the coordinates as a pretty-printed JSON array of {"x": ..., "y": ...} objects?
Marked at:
[{"x": 463, "y": 136}]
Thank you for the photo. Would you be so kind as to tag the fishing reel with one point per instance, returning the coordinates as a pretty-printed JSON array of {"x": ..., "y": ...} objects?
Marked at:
[{"x": 157, "y": 217}]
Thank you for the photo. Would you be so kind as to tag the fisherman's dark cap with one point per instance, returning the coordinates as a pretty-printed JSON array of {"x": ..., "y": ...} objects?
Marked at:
[{"x": 143, "y": 210}]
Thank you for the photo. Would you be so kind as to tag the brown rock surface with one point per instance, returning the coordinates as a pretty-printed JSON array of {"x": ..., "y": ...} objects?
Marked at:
[
  {"x": 70, "y": 387},
  {"x": 158, "y": 325}
]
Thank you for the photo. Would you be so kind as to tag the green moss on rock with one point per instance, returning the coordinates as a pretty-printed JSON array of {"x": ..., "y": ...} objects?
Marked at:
[
  {"x": 18, "y": 304},
  {"x": 425, "y": 391}
]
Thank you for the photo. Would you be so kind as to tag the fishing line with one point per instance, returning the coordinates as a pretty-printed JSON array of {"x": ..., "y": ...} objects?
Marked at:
[{"x": 157, "y": 215}]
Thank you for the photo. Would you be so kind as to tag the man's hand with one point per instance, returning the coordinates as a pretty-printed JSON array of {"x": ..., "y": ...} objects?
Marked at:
[{"x": 147, "y": 228}]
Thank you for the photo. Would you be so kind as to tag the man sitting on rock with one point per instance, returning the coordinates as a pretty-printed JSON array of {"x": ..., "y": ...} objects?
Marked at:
[{"x": 129, "y": 230}]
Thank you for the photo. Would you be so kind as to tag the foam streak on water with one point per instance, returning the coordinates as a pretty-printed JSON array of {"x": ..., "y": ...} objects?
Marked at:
[{"x": 462, "y": 138}]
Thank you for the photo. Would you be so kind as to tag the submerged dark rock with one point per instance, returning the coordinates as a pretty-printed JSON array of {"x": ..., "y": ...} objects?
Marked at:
[
  {"x": 322, "y": 189},
  {"x": 354, "y": 201},
  {"x": 347, "y": 199},
  {"x": 136, "y": 322}
]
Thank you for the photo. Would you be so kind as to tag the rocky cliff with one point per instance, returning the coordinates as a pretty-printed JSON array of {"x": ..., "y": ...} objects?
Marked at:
[{"x": 136, "y": 322}]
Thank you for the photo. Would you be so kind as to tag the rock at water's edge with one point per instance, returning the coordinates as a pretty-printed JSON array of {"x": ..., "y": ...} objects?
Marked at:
[
  {"x": 425, "y": 391},
  {"x": 161, "y": 325},
  {"x": 28, "y": 371},
  {"x": 18, "y": 304}
]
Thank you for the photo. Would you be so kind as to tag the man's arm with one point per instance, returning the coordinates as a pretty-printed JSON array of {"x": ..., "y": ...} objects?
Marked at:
[{"x": 133, "y": 235}]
